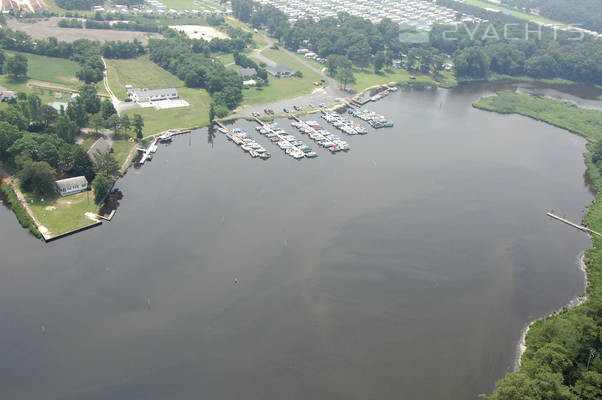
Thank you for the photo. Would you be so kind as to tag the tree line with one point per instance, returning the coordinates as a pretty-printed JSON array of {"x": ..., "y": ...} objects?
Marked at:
[
  {"x": 475, "y": 49},
  {"x": 585, "y": 12}
]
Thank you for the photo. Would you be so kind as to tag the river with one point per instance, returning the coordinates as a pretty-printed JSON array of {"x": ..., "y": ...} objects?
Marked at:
[{"x": 405, "y": 268}]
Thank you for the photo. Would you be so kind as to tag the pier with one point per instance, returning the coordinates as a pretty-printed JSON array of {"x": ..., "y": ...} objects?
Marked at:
[
  {"x": 574, "y": 225},
  {"x": 147, "y": 153}
]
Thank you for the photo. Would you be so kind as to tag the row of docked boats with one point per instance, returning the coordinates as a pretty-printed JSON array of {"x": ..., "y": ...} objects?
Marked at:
[
  {"x": 290, "y": 144},
  {"x": 321, "y": 136},
  {"x": 375, "y": 120},
  {"x": 343, "y": 124},
  {"x": 247, "y": 143}
]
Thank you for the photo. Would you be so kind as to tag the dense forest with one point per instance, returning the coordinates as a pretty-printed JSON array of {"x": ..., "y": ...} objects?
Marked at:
[
  {"x": 588, "y": 13},
  {"x": 189, "y": 60}
]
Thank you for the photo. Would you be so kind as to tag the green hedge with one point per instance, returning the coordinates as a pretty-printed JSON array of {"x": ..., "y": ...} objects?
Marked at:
[{"x": 22, "y": 216}]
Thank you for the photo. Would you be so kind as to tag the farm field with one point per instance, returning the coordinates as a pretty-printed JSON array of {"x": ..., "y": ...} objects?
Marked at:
[{"x": 42, "y": 29}]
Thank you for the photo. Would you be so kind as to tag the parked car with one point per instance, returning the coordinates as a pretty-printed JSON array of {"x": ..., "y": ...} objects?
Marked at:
[
  {"x": 286, "y": 110},
  {"x": 266, "y": 111},
  {"x": 297, "y": 108}
]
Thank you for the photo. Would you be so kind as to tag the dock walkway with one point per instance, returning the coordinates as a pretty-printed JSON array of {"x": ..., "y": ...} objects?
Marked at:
[{"x": 574, "y": 225}]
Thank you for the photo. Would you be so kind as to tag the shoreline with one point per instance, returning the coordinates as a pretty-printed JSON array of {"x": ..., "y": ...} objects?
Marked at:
[{"x": 576, "y": 301}]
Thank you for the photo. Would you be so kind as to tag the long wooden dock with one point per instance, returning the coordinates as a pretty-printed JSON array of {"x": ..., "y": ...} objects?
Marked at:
[{"x": 574, "y": 225}]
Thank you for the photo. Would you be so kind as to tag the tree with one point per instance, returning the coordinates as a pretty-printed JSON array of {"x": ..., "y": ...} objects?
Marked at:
[
  {"x": 66, "y": 129},
  {"x": 345, "y": 76},
  {"x": 113, "y": 122},
  {"x": 211, "y": 112},
  {"x": 48, "y": 115},
  {"x": 107, "y": 109},
  {"x": 16, "y": 66},
  {"x": 96, "y": 121},
  {"x": 138, "y": 124},
  {"x": 332, "y": 65},
  {"x": 379, "y": 61},
  {"x": 125, "y": 123},
  {"x": 101, "y": 186},
  {"x": 49, "y": 153},
  {"x": 38, "y": 178},
  {"x": 89, "y": 99},
  {"x": 82, "y": 163},
  {"x": 33, "y": 108},
  {"x": 107, "y": 165},
  {"x": 77, "y": 113},
  {"x": 2, "y": 59}
]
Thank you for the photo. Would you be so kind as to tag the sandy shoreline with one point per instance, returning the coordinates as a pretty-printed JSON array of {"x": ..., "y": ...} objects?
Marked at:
[{"x": 575, "y": 302}]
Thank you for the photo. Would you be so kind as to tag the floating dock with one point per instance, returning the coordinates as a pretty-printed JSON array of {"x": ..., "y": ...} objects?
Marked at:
[{"x": 574, "y": 225}]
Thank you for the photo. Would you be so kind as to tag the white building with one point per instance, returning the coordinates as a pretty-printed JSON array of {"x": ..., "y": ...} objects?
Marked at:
[
  {"x": 147, "y": 95},
  {"x": 70, "y": 186}
]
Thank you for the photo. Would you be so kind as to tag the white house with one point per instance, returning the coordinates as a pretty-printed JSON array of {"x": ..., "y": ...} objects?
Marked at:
[
  {"x": 70, "y": 186},
  {"x": 145, "y": 95}
]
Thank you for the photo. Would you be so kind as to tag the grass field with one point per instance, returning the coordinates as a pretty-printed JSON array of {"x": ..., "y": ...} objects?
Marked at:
[
  {"x": 51, "y": 69},
  {"x": 138, "y": 72},
  {"x": 65, "y": 213},
  {"x": 141, "y": 72},
  {"x": 517, "y": 14},
  {"x": 121, "y": 149},
  {"x": 282, "y": 88},
  {"x": 562, "y": 114}
]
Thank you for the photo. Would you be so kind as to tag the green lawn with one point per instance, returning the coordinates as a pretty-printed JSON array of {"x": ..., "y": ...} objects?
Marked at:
[
  {"x": 51, "y": 69},
  {"x": 195, "y": 115},
  {"x": 563, "y": 114},
  {"x": 517, "y": 14},
  {"x": 65, "y": 213},
  {"x": 226, "y": 58},
  {"x": 282, "y": 88},
  {"x": 141, "y": 72},
  {"x": 121, "y": 149},
  {"x": 138, "y": 72}
]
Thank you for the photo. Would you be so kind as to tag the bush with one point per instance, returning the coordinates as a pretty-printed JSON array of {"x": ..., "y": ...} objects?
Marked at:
[{"x": 22, "y": 216}]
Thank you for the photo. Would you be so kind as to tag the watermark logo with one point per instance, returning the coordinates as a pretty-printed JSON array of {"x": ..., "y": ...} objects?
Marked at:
[
  {"x": 414, "y": 32},
  {"x": 418, "y": 31}
]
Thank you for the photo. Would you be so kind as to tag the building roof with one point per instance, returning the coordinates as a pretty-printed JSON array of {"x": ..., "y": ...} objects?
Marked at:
[
  {"x": 101, "y": 146},
  {"x": 151, "y": 92},
  {"x": 280, "y": 69},
  {"x": 247, "y": 72},
  {"x": 70, "y": 182}
]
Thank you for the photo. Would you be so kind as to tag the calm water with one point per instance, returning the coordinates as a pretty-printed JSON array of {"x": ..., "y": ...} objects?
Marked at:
[{"x": 405, "y": 268}]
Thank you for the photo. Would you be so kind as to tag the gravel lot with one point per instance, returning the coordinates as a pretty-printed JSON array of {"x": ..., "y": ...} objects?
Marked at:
[{"x": 42, "y": 29}]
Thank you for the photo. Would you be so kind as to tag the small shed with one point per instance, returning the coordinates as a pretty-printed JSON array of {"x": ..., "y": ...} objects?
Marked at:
[{"x": 73, "y": 185}]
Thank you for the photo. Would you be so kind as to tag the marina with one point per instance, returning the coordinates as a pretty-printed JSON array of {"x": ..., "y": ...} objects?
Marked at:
[
  {"x": 343, "y": 124},
  {"x": 374, "y": 119},
  {"x": 321, "y": 136},
  {"x": 247, "y": 143},
  {"x": 288, "y": 143}
]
